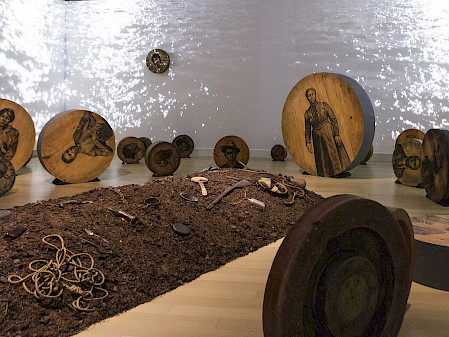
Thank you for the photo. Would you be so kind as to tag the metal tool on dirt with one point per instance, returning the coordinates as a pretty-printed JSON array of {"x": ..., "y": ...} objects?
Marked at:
[
  {"x": 201, "y": 181},
  {"x": 240, "y": 184}
]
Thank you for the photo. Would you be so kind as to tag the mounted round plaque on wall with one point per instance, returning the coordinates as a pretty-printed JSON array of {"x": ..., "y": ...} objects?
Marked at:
[
  {"x": 231, "y": 152},
  {"x": 158, "y": 61},
  {"x": 76, "y": 146},
  {"x": 327, "y": 124},
  {"x": 17, "y": 134}
]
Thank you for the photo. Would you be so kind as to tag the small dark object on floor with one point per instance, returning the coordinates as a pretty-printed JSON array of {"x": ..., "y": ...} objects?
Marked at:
[{"x": 57, "y": 181}]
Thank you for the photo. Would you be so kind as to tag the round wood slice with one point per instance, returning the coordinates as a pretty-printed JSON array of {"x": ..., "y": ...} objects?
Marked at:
[
  {"x": 435, "y": 164},
  {"x": 76, "y": 146},
  {"x": 162, "y": 158},
  {"x": 340, "y": 126},
  {"x": 236, "y": 150},
  {"x": 157, "y": 61},
  {"x": 146, "y": 141},
  {"x": 7, "y": 175},
  {"x": 406, "y": 161},
  {"x": 184, "y": 144},
  {"x": 278, "y": 152},
  {"x": 342, "y": 270},
  {"x": 411, "y": 134},
  {"x": 432, "y": 251},
  {"x": 17, "y": 135},
  {"x": 130, "y": 150}
]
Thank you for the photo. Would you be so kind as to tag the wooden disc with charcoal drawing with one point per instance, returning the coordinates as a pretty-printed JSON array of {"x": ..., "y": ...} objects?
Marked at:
[
  {"x": 76, "y": 146},
  {"x": 7, "y": 175},
  {"x": 184, "y": 144},
  {"x": 157, "y": 61},
  {"x": 278, "y": 152},
  {"x": 231, "y": 152},
  {"x": 162, "y": 158},
  {"x": 146, "y": 141},
  {"x": 342, "y": 270},
  {"x": 131, "y": 150},
  {"x": 435, "y": 165},
  {"x": 406, "y": 158},
  {"x": 328, "y": 124},
  {"x": 17, "y": 133}
]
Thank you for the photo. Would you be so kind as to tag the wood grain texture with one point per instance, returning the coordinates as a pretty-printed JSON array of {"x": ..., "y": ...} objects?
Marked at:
[
  {"x": 162, "y": 158},
  {"x": 353, "y": 112},
  {"x": 23, "y": 148},
  {"x": 78, "y": 135},
  {"x": 236, "y": 149}
]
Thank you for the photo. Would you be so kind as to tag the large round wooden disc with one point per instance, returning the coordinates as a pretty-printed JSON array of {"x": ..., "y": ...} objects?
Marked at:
[
  {"x": 184, "y": 144},
  {"x": 432, "y": 251},
  {"x": 7, "y": 175},
  {"x": 331, "y": 133},
  {"x": 130, "y": 150},
  {"x": 231, "y": 152},
  {"x": 162, "y": 158},
  {"x": 76, "y": 146},
  {"x": 406, "y": 161},
  {"x": 17, "y": 135},
  {"x": 435, "y": 164},
  {"x": 342, "y": 270}
]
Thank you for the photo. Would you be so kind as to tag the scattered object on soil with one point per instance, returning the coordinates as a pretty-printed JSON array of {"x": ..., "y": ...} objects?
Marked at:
[
  {"x": 152, "y": 201},
  {"x": 125, "y": 216},
  {"x": 68, "y": 271},
  {"x": 5, "y": 216},
  {"x": 90, "y": 233},
  {"x": 74, "y": 202},
  {"x": 15, "y": 232},
  {"x": 181, "y": 229},
  {"x": 256, "y": 202},
  {"x": 188, "y": 197},
  {"x": 273, "y": 186},
  {"x": 297, "y": 181},
  {"x": 240, "y": 184},
  {"x": 209, "y": 168},
  {"x": 201, "y": 181}
]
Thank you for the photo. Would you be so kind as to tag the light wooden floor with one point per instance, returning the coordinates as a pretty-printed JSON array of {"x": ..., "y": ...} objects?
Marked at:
[{"x": 228, "y": 301}]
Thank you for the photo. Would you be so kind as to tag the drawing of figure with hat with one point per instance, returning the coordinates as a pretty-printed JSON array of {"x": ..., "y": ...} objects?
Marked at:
[{"x": 230, "y": 151}]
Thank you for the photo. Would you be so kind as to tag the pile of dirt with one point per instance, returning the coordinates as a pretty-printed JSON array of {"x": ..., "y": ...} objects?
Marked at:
[{"x": 142, "y": 257}]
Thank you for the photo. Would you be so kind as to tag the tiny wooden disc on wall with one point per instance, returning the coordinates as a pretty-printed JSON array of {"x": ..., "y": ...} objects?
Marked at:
[
  {"x": 278, "y": 152},
  {"x": 231, "y": 152},
  {"x": 130, "y": 150},
  {"x": 7, "y": 175},
  {"x": 17, "y": 133},
  {"x": 184, "y": 144},
  {"x": 162, "y": 158},
  {"x": 76, "y": 146},
  {"x": 158, "y": 61},
  {"x": 328, "y": 124},
  {"x": 435, "y": 164},
  {"x": 342, "y": 270},
  {"x": 146, "y": 141}
]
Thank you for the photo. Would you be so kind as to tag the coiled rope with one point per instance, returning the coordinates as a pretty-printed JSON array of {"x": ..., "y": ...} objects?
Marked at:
[{"x": 69, "y": 271}]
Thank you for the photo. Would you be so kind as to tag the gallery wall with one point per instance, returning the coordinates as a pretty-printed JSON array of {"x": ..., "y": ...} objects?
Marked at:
[{"x": 233, "y": 63}]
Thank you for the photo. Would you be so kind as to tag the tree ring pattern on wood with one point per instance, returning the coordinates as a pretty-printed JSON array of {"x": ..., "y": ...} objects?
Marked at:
[
  {"x": 17, "y": 133},
  {"x": 157, "y": 61},
  {"x": 231, "y": 152},
  {"x": 76, "y": 146},
  {"x": 131, "y": 150},
  {"x": 278, "y": 152},
  {"x": 341, "y": 270},
  {"x": 327, "y": 124},
  {"x": 162, "y": 158},
  {"x": 435, "y": 164},
  {"x": 184, "y": 144},
  {"x": 7, "y": 175}
]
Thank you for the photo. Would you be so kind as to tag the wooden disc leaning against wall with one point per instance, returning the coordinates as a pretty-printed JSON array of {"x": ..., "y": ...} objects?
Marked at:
[
  {"x": 131, "y": 150},
  {"x": 184, "y": 144},
  {"x": 17, "y": 133},
  {"x": 332, "y": 129},
  {"x": 278, "y": 152},
  {"x": 76, "y": 146},
  {"x": 406, "y": 158},
  {"x": 146, "y": 141},
  {"x": 7, "y": 175},
  {"x": 435, "y": 164},
  {"x": 342, "y": 270},
  {"x": 231, "y": 152},
  {"x": 162, "y": 158}
]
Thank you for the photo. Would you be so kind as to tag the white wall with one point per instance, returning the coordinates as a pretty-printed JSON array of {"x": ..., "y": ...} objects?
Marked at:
[{"x": 234, "y": 63}]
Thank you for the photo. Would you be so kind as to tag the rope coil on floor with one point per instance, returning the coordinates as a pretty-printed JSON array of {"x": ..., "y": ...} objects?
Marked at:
[{"x": 69, "y": 271}]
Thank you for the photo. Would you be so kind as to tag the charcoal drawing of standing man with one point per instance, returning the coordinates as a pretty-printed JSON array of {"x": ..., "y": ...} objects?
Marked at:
[
  {"x": 9, "y": 136},
  {"x": 323, "y": 137}
]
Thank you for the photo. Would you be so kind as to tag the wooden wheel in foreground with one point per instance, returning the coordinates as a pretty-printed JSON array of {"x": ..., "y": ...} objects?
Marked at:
[
  {"x": 130, "y": 150},
  {"x": 162, "y": 158},
  {"x": 342, "y": 270}
]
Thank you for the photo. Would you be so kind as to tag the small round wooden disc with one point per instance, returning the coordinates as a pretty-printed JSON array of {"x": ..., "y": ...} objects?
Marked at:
[
  {"x": 410, "y": 133},
  {"x": 341, "y": 270},
  {"x": 7, "y": 175},
  {"x": 278, "y": 152},
  {"x": 17, "y": 133},
  {"x": 76, "y": 146},
  {"x": 162, "y": 158},
  {"x": 184, "y": 144},
  {"x": 406, "y": 161},
  {"x": 130, "y": 150},
  {"x": 158, "y": 61},
  {"x": 231, "y": 152},
  {"x": 181, "y": 229},
  {"x": 146, "y": 141},
  {"x": 330, "y": 130},
  {"x": 435, "y": 164}
]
